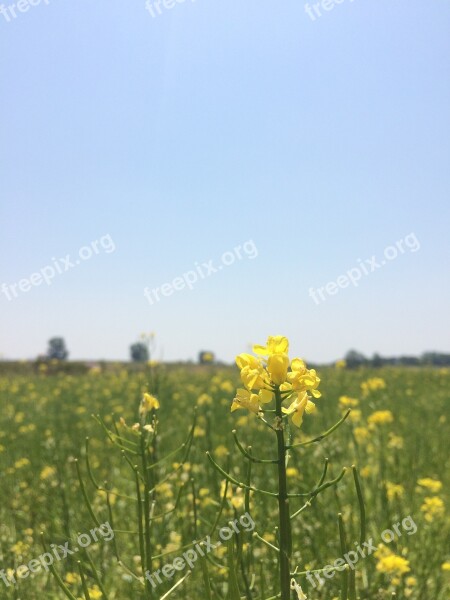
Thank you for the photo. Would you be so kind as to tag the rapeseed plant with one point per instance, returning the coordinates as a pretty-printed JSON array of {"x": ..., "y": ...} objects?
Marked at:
[{"x": 279, "y": 391}]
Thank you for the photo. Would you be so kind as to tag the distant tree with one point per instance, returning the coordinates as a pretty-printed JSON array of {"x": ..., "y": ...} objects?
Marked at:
[
  {"x": 409, "y": 361},
  {"x": 139, "y": 352},
  {"x": 57, "y": 349},
  {"x": 205, "y": 357},
  {"x": 354, "y": 359},
  {"x": 437, "y": 359},
  {"x": 377, "y": 361}
]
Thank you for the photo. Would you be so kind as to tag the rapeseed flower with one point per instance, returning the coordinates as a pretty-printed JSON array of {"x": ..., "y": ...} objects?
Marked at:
[
  {"x": 47, "y": 472},
  {"x": 395, "y": 441},
  {"x": 373, "y": 384},
  {"x": 299, "y": 407},
  {"x": 390, "y": 563},
  {"x": 148, "y": 403},
  {"x": 433, "y": 508},
  {"x": 276, "y": 344},
  {"x": 346, "y": 402},
  {"x": 394, "y": 490},
  {"x": 95, "y": 593},
  {"x": 361, "y": 434},
  {"x": 433, "y": 485},
  {"x": 271, "y": 371},
  {"x": 72, "y": 577},
  {"x": 246, "y": 399},
  {"x": 380, "y": 417}
]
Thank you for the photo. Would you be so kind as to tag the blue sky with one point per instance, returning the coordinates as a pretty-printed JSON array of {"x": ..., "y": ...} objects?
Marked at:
[{"x": 214, "y": 123}]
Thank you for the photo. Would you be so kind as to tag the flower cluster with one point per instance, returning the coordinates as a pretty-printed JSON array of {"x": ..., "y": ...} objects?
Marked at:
[
  {"x": 270, "y": 372},
  {"x": 148, "y": 403},
  {"x": 434, "y": 485},
  {"x": 394, "y": 490},
  {"x": 433, "y": 508},
  {"x": 390, "y": 563},
  {"x": 380, "y": 417},
  {"x": 372, "y": 385}
]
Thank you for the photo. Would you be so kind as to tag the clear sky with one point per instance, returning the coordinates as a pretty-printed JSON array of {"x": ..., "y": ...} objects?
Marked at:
[{"x": 314, "y": 142}]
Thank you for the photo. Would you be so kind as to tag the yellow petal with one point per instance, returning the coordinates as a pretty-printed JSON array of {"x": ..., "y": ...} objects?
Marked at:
[
  {"x": 310, "y": 407},
  {"x": 261, "y": 350},
  {"x": 265, "y": 396},
  {"x": 297, "y": 364},
  {"x": 277, "y": 366}
]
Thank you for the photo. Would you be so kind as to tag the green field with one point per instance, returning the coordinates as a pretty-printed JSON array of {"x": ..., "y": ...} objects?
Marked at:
[{"x": 401, "y": 457}]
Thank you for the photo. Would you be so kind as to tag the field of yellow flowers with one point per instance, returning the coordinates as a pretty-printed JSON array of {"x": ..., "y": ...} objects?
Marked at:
[{"x": 158, "y": 456}]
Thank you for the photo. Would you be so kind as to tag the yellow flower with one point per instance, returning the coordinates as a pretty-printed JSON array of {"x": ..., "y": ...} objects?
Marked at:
[
  {"x": 221, "y": 450},
  {"x": 72, "y": 577},
  {"x": 392, "y": 564},
  {"x": 361, "y": 433},
  {"x": 234, "y": 495},
  {"x": 346, "y": 402},
  {"x": 276, "y": 344},
  {"x": 355, "y": 415},
  {"x": 47, "y": 472},
  {"x": 380, "y": 417},
  {"x": 340, "y": 364},
  {"x": 19, "y": 548},
  {"x": 247, "y": 360},
  {"x": 265, "y": 376},
  {"x": 304, "y": 379},
  {"x": 446, "y": 565},
  {"x": 395, "y": 441},
  {"x": 434, "y": 485},
  {"x": 227, "y": 386},
  {"x": 277, "y": 366},
  {"x": 95, "y": 593},
  {"x": 148, "y": 403},
  {"x": 300, "y": 405},
  {"x": 254, "y": 377},
  {"x": 246, "y": 399},
  {"x": 19, "y": 417},
  {"x": 204, "y": 399},
  {"x": 242, "y": 421},
  {"x": 432, "y": 507},
  {"x": 22, "y": 462},
  {"x": 366, "y": 471},
  {"x": 292, "y": 472},
  {"x": 394, "y": 490},
  {"x": 373, "y": 384},
  {"x": 199, "y": 431}
]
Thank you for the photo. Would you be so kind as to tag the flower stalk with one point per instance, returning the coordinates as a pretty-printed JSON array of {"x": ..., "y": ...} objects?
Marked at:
[
  {"x": 272, "y": 377},
  {"x": 283, "y": 504}
]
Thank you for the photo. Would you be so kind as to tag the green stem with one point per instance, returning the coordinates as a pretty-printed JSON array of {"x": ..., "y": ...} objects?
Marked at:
[
  {"x": 147, "y": 516},
  {"x": 283, "y": 505}
]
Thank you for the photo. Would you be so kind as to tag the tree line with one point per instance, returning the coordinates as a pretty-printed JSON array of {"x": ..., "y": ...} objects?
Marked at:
[{"x": 354, "y": 359}]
